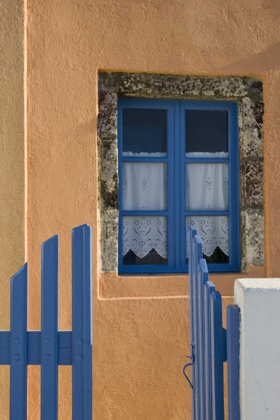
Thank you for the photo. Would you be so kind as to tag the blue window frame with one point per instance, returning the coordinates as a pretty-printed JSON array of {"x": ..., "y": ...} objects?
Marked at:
[{"x": 177, "y": 130}]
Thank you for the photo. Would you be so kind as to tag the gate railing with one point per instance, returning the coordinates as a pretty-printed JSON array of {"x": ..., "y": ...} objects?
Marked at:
[
  {"x": 211, "y": 344},
  {"x": 50, "y": 347}
]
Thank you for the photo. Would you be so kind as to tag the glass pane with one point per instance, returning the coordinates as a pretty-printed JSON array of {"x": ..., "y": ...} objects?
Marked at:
[
  {"x": 213, "y": 231},
  {"x": 144, "y": 186},
  {"x": 144, "y": 240},
  {"x": 207, "y": 186},
  {"x": 206, "y": 131},
  {"x": 144, "y": 132}
]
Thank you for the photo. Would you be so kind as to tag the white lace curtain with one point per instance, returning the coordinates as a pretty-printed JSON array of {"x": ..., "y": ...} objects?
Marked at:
[{"x": 145, "y": 188}]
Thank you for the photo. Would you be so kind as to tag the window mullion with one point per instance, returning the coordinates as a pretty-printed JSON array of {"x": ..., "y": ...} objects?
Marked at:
[
  {"x": 170, "y": 188},
  {"x": 177, "y": 186}
]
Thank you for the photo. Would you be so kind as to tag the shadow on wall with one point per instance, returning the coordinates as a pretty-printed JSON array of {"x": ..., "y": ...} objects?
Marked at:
[{"x": 269, "y": 59}]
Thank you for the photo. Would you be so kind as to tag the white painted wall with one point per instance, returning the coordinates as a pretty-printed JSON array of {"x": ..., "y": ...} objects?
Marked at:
[{"x": 259, "y": 302}]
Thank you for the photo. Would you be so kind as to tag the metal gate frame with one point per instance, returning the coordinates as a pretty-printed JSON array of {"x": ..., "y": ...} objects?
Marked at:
[{"x": 211, "y": 345}]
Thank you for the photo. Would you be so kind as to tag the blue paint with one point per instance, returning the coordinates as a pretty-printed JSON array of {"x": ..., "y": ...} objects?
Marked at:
[
  {"x": 50, "y": 347},
  {"x": 49, "y": 325},
  {"x": 211, "y": 344},
  {"x": 233, "y": 341},
  {"x": 169, "y": 107},
  {"x": 196, "y": 256},
  {"x": 81, "y": 324},
  {"x": 192, "y": 233},
  {"x": 209, "y": 287},
  {"x": 217, "y": 356},
  {"x": 87, "y": 322},
  {"x": 64, "y": 348},
  {"x": 176, "y": 160},
  {"x": 18, "y": 346}
]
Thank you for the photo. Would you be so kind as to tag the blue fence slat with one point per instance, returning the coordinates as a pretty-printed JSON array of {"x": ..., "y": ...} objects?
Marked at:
[
  {"x": 209, "y": 287},
  {"x": 49, "y": 325},
  {"x": 192, "y": 233},
  {"x": 18, "y": 346},
  {"x": 217, "y": 356},
  {"x": 196, "y": 256},
  {"x": 81, "y": 324},
  {"x": 233, "y": 339},
  {"x": 195, "y": 371},
  {"x": 201, "y": 280},
  {"x": 87, "y": 314}
]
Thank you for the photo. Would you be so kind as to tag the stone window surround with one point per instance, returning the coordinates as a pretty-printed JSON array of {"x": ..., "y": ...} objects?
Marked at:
[{"x": 246, "y": 91}]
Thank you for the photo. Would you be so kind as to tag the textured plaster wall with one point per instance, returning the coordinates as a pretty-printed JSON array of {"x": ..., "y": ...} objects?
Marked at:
[
  {"x": 12, "y": 163},
  {"x": 141, "y": 333}
]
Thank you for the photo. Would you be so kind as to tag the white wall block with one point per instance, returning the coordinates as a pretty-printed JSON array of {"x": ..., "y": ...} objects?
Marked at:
[{"x": 259, "y": 302}]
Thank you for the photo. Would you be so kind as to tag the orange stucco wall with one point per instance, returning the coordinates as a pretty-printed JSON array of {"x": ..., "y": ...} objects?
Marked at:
[
  {"x": 12, "y": 163},
  {"x": 140, "y": 325}
]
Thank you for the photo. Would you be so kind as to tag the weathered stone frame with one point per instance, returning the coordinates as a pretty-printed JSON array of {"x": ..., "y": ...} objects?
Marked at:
[{"x": 246, "y": 91}]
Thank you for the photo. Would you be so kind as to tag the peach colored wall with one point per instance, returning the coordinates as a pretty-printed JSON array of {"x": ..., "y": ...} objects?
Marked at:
[
  {"x": 141, "y": 334},
  {"x": 12, "y": 163}
]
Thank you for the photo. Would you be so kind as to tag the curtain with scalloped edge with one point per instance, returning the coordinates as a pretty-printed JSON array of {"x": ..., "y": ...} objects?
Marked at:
[{"x": 145, "y": 188}]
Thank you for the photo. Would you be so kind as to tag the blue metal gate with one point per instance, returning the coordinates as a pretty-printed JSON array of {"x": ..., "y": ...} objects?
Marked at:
[{"x": 211, "y": 344}]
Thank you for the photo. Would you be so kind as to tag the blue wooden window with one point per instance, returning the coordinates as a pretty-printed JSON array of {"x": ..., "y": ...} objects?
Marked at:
[{"x": 178, "y": 166}]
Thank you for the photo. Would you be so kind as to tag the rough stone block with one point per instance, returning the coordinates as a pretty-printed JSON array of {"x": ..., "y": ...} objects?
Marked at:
[
  {"x": 252, "y": 239},
  {"x": 252, "y": 183},
  {"x": 109, "y": 240}
]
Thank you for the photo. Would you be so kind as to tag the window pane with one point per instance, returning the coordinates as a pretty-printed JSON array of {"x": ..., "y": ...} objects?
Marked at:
[
  {"x": 206, "y": 131},
  {"x": 207, "y": 186},
  {"x": 213, "y": 231},
  {"x": 144, "y": 132},
  {"x": 144, "y": 186},
  {"x": 144, "y": 240}
]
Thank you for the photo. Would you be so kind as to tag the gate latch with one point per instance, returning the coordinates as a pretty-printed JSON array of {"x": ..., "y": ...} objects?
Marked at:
[{"x": 189, "y": 364}]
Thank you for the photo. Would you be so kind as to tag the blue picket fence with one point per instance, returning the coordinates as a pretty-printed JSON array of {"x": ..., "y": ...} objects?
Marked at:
[
  {"x": 211, "y": 344},
  {"x": 50, "y": 347}
]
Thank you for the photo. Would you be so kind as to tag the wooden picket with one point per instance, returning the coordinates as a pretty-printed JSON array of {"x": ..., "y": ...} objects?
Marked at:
[
  {"x": 50, "y": 347},
  {"x": 211, "y": 344}
]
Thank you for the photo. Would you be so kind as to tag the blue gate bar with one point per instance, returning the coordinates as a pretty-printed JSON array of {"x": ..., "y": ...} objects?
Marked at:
[
  {"x": 64, "y": 348},
  {"x": 233, "y": 342},
  {"x": 217, "y": 356},
  {"x": 81, "y": 327},
  {"x": 18, "y": 346},
  {"x": 192, "y": 233},
  {"x": 196, "y": 256},
  {"x": 202, "y": 279},
  {"x": 87, "y": 322},
  {"x": 209, "y": 287},
  {"x": 49, "y": 325}
]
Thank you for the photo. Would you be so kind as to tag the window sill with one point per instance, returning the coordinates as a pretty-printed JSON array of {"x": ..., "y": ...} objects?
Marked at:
[{"x": 114, "y": 286}]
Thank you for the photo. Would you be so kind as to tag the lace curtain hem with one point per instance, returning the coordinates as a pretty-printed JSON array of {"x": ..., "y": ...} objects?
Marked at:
[{"x": 145, "y": 188}]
